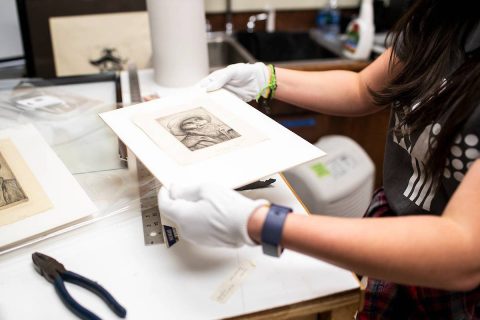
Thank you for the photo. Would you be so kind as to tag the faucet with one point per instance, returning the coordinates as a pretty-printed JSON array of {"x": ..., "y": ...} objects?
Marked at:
[
  {"x": 208, "y": 26},
  {"x": 228, "y": 18},
  {"x": 269, "y": 17}
]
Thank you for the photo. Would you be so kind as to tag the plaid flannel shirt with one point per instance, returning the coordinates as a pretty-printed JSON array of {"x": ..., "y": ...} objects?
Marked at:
[{"x": 387, "y": 300}]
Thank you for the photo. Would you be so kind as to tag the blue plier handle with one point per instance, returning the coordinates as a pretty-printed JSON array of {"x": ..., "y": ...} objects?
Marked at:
[{"x": 56, "y": 274}]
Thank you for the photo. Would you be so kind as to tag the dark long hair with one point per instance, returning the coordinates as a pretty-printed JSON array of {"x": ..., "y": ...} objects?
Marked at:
[{"x": 436, "y": 74}]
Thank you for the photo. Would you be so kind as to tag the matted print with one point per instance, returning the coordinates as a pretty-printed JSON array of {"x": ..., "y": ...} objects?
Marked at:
[
  {"x": 87, "y": 44},
  {"x": 263, "y": 146},
  {"x": 11, "y": 192},
  {"x": 197, "y": 131},
  {"x": 21, "y": 195}
]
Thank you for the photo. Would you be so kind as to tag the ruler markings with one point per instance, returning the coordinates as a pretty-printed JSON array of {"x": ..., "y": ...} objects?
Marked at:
[{"x": 148, "y": 185}]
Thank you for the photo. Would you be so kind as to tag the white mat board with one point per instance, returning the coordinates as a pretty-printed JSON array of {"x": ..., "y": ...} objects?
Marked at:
[
  {"x": 279, "y": 150},
  {"x": 70, "y": 202}
]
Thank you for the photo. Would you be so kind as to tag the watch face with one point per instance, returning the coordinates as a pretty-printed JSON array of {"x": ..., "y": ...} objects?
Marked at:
[{"x": 271, "y": 250}]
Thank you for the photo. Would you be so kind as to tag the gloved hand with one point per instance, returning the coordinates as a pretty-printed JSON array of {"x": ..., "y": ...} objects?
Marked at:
[
  {"x": 243, "y": 79},
  {"x": 209, "y": 214}
]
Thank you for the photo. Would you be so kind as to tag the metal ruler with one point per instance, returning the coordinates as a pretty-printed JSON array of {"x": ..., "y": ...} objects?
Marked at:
[
  {"x": 148, "y": 185},
  {"x": 151, "y": 221}
]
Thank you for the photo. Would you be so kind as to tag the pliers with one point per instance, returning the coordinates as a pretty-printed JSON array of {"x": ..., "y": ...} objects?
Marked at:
[{"x": 56, "y": 274}]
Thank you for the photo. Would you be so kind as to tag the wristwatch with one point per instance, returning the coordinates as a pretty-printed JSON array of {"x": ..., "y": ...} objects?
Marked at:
[{"x": 272, "y": 230}]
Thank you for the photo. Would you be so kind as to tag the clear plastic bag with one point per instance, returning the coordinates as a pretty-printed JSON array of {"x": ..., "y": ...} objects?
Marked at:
[{"x": 68, "y": 121}]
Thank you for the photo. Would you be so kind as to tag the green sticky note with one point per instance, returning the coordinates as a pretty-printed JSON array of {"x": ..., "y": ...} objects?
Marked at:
[{"x": 320, "y": 170}]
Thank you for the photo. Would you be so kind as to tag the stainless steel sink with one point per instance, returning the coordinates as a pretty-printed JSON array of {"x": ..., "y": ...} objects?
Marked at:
[
  {"x": 224, "y": 50},
  {"x": 279, "y": 47},
  {"x": 283, "y": 46}
]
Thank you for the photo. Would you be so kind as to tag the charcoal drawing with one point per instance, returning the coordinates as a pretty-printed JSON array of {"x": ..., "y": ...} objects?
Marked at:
[
  {"x": 11, "y": 193},
  {"x": 197, "y": 128}
]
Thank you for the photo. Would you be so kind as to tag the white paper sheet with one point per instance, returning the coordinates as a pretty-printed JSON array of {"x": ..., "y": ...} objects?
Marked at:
[
  {"x": 70, "y": 202},
  {"x": 278, "y": 150}
]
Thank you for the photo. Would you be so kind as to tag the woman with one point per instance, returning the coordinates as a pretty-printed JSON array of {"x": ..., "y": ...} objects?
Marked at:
[{"x": 421, "y": 252}]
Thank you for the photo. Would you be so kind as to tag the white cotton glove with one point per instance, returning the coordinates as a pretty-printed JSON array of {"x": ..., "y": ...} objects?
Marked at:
[
  {"x": 243, "y": 79},
  {"x": 209, "y": 214}
]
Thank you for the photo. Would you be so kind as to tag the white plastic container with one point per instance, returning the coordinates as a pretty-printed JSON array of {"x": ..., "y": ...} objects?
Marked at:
[
  {"x": 337, "y": 184},
  {"x": 360, "y": 34},
  {"x": 179, "y": 41}
]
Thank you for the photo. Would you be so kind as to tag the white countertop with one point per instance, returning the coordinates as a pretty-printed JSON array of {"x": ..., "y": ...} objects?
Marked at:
[
  {"x": 174, "y": 283},
  {"x": 155, "y": 281}
]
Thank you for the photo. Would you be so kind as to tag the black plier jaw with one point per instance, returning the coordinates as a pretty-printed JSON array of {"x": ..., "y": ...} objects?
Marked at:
[{"x": 47, "y": 266}]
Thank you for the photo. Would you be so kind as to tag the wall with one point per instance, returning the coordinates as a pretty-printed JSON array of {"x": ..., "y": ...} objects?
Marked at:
[
  {"x": 10, "y": 32},
  {"x": 216, "y": 6},
  {"x": 10, "y": 40}
]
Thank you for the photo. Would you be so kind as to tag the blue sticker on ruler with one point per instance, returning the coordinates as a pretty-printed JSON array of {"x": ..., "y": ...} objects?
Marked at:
[
  {"x": 170, "y": 235},
  {"x": 308, "y": 122}
]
